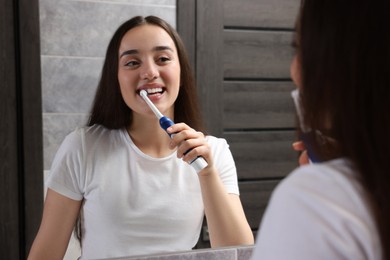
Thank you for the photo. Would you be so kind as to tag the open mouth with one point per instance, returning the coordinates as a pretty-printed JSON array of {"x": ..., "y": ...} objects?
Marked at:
[{"x": 153, "y": 91}]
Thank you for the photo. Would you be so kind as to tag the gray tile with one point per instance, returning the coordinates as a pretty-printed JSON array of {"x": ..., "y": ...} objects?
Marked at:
[
  {"x": 69, "y": 84},
  {"x": 83, "y": 28},
  {"x": 55, "y": 128}
]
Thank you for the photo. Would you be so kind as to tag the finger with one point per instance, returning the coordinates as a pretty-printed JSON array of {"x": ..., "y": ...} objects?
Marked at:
[
  {"x": 303, "y": 158},
  {"x": 185, "y": 135},
  {"x": 177, "y": 128},
  {"x": 202, "y": 151},
  {"x": 187, "y": 145},
  {"x": 299, "y": 146}
]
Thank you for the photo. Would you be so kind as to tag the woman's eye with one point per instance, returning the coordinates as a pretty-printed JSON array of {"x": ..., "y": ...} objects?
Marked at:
[
  {"x": 132, "y": 63},
  {"x": 163, "y": 59}
]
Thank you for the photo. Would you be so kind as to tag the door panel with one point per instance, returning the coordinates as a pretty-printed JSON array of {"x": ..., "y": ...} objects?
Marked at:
[
  {"x": 260, "y": 13},
  {"x": 262, "y": 154},
  {"x": 257, "y": 105},
  {"x": 241, "y": 53},
  {"x": 253, "y": 54}
]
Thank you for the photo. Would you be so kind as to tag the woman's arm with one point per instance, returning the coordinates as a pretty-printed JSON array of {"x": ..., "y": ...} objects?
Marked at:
[
  {"x": 225, "y": 216},
  {"x": 226, "y": 219},
  {"x": 58, "y": 220}
]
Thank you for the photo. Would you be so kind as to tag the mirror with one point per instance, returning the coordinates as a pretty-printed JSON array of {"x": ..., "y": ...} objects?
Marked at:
[{"x": 254, "y": 94}]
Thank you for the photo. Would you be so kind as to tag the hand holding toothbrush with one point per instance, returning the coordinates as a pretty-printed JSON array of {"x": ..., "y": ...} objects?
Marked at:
[
  {"x": 191, "y": 144},
  {"x": 299, "y": 146},
  {"x": 308, "y": 152}
]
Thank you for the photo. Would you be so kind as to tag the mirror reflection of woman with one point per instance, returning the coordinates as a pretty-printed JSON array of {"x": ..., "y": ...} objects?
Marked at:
[
  {"x": 126, "y": 182},
  {"x": 338, "y": 208}
]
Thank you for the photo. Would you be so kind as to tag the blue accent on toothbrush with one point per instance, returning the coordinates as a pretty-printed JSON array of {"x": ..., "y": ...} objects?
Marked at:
[
  {"x": 199, "y": 163},
  {"x": 304, "y": 135},
  {"x": 309, "y": 149},
  {"x": 165, "y": 122}
]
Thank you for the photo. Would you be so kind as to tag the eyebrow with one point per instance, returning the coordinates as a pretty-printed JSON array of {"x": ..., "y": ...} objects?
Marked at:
[{"x": 155, "y": 49}]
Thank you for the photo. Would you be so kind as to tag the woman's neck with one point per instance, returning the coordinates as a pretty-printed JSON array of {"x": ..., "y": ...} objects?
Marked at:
[{"x": 149, "y": 137}]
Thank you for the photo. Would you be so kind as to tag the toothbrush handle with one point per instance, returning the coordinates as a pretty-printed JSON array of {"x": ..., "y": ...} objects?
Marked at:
[
  {"x": 165, "y": 122},
  {"x": 310, "y": 153},
  {"x": 199, "y": 163}
]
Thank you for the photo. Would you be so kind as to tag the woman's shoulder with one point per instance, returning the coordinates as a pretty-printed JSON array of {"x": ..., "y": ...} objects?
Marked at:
[
  {"x": 94, "y": 132},
  {"x": 216, "y": 141},
  {"x": 334, "y": 173},
  {"x": 218, "y": 145},
  {"x": 87, "y": 136},
  {"x": 323, "y": 203},
  {"x": 327, "y": 187}
]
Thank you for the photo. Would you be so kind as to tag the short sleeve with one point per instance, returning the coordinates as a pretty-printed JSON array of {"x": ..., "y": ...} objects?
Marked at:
[
  {"x": 67, "y": 173},
  {"x": 224, "y": 162}
]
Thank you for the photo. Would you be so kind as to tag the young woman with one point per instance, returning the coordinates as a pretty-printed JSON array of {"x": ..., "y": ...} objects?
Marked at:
[
  {"x": 338, "y": 208},
  {"x": 129, "y": 184}
]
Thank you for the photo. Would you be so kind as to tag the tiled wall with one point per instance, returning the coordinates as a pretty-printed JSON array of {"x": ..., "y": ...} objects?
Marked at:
[{"x": 74, "y": 37}]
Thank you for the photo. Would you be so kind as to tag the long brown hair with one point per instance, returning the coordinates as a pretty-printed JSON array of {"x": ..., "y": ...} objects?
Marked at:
[
  {"x": 344, "y": 51},
  {"x": 109, "y": 108}
]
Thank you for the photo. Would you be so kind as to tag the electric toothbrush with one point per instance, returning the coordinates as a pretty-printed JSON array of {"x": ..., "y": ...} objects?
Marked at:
[
  {"x": 305, "y": 131},
  {"x": 199, "y": 163}
]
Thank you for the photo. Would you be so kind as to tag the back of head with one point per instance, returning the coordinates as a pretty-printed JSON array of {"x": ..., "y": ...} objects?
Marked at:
[{"x": 344, "y": 50}]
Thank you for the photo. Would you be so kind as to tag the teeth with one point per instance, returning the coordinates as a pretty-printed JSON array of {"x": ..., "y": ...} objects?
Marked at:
[{"x": 153, "y": 90}]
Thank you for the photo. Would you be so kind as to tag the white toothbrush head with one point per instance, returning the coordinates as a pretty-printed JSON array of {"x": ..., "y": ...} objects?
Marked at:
[
  {"x": 297, "y": 103},
  {"x": 144, "y": 95}
]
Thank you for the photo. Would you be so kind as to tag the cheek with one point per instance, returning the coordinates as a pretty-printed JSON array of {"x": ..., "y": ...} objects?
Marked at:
[
  {"x": 178, "y": 74},
  {"x": 127, "y": 88},
  {"x": 295, "y": 71},
  {"x": 126, "y": 80},
  {"x": 173, "y": 74}
]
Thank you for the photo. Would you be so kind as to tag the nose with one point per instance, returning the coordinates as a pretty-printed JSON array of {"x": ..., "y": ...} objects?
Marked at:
[{"x": 149, "y": 71}]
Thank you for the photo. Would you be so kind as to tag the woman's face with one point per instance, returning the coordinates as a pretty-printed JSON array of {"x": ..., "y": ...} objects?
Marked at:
[{"x": 148, "y": 60}]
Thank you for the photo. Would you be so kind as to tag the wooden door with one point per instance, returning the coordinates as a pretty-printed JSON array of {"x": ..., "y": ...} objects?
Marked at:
[{"x": 241, "y": 52}]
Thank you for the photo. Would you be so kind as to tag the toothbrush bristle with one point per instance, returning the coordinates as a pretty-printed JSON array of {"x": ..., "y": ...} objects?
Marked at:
[{"x": 143, "y": 93}]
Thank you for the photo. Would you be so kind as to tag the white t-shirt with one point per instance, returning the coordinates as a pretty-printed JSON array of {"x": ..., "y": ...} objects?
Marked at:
[
  {"x": 134, "y": 204},
  {"x": 318, "y": 212}
]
